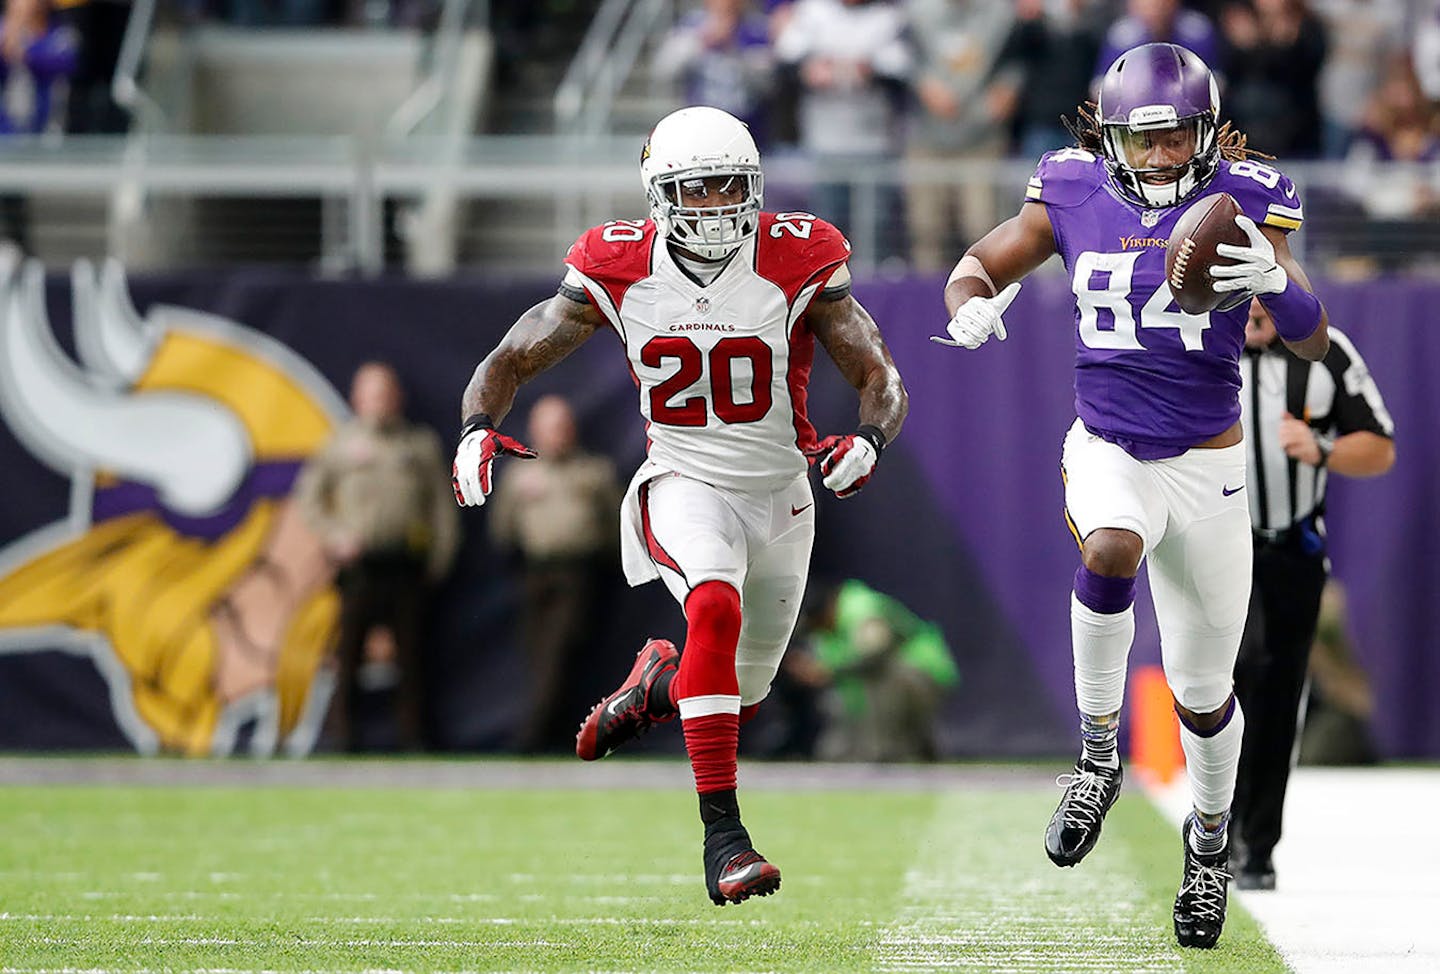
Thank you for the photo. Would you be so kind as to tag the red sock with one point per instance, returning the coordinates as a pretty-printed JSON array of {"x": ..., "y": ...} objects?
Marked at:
[{"x": 706, "y": 690}]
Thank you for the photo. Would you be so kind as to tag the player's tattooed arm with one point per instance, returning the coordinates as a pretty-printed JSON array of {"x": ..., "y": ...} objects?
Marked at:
[
  {"x": 540, "y": 338},
  {"x": 1311, "y": 349},
  {"x": 1007, "y": 253},
  {"x": 853, "y": 341}
]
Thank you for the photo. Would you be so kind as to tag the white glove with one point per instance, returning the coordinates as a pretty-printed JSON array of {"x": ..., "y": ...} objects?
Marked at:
[
  {"x": 470, "y": 476},
  {"x": 846, "y": 462},
  {"x": 1256, "y": 271},
  {"x": 977, "y": 319}
]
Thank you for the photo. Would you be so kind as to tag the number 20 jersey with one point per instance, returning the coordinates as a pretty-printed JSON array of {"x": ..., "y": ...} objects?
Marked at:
[
  {"x": 722, "y": 368},
  {"x": 1148, "y": 377}
]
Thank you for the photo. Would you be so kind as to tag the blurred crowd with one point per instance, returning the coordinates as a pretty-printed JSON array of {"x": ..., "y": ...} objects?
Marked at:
[
  {"x": 843, "y": 85},
  {"x": 1307, "y": 78},
  {"x": 847, "y": 81}
]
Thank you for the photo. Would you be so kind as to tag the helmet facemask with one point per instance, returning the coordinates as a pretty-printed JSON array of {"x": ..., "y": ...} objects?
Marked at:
[
  {"x": 709, "y": 232},
  {"x": 1123, "y": 143}
]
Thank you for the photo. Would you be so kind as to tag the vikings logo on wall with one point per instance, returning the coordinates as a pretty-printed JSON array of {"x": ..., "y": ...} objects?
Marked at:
[{"x": 184, "y": 569}]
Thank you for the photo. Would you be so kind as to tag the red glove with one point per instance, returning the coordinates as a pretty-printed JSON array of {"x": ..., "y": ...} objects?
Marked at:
[
  {"x": 846, "y": 462},
  {"x": 479, "y": 446}
]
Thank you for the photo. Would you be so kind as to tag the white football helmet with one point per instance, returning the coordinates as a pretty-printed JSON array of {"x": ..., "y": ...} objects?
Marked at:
[{"x": 696, "y": 143}]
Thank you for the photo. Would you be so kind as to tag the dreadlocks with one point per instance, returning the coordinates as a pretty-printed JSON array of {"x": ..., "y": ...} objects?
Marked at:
[{"x": 1085, "y": 128}]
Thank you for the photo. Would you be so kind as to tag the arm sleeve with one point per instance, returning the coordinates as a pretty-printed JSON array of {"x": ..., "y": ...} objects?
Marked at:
[
  {"x": 837, "y": 287},
  {"x": 572, "y": 287}
]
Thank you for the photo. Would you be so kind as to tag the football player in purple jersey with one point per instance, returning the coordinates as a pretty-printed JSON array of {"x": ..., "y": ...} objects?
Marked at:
[{"x": 1154, "y": 467}]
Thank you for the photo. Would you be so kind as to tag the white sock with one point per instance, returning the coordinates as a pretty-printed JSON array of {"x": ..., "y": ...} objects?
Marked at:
[
  {"x": 1211, "y": 763},
  {"x": 1101, "y": 646}
]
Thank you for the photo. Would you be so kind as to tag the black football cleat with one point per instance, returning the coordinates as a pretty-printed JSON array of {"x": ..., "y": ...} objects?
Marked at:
[
  {"x": 734, "y": 871},
  {"x": 626, "y": 714},
  {"x": 1090, "y": 790},
  {"x": 1200, "y": 904}
]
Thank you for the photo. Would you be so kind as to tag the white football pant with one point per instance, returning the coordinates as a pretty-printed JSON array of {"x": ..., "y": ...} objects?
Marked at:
[
  {"x": 1192, "y": 515},
  {"x": 758, "y": 542}
]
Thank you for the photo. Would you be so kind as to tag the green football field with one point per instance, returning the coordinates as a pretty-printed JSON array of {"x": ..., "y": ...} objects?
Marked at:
[{"x": 581, "y": 879}]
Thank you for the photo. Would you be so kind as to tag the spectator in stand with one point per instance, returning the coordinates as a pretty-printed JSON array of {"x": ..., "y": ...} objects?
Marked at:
[
  {"x": 1399, "y": 125},
  {"x": 854, "y": 63},
  {"x": 959, "y": 120},
  {"x": 1272, "y": 56},
  {"x": 1043, "y": 70},
  {"x": 558, "y": 513},
  {"x": 1401, "y": 200},
  {"x": 720, "y": 56},
  {"x": 33, "y": 39},
  {"x": 379, "y": 500},
  {"x": 1151, "y": 21},
  {"x": 1364, "y": 36},
  {"x": 1426, "y": 50},
  {"x": 36, "y": 41}
]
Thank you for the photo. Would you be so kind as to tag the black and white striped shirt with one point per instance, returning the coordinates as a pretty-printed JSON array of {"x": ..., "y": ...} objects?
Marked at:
[{"x": 1335, "y": 396}]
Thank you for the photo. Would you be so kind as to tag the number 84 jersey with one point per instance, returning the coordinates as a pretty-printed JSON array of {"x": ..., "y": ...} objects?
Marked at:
[
  {"x": 1148, "y": 377},
  {"x": 721, "y": 365}
]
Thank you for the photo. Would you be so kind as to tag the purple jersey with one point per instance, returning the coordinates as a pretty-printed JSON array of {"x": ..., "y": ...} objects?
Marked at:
[{"x": 1148, "y": 377}]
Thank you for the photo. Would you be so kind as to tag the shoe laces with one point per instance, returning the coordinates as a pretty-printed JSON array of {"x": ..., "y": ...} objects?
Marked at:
[
  {"x": 1202, "y": 891},
  {"x": 1084, "y": 797},
  {"x": 744, "y": 859}
]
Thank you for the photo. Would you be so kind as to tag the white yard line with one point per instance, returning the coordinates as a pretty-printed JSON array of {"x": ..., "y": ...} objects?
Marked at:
[
  {"x": 1358, "y": 871},
  {"x": 988, "y": 900}
]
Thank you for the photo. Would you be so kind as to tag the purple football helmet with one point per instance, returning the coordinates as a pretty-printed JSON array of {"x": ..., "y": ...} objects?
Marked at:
[{"x": 1159, "y": 93}]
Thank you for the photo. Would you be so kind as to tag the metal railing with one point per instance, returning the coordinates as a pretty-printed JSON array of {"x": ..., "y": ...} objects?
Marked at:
[
  {"x": 586, "y": 95},
  {"x": 439, "y": 80},
  {"x": 125, "y": 85},
  {"x": 539, "y": 192}
]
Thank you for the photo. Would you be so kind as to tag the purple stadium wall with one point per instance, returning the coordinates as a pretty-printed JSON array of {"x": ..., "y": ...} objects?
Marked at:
[{"x": 963, "y": 521}]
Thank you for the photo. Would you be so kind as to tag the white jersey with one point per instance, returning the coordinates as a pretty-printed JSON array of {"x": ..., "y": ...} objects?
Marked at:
[{"x": 722, "y": 367}]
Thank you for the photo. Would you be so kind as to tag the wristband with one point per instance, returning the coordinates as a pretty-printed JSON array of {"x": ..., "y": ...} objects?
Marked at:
[
  {"x": 476, "y": 421},
  {"x": 1325, "y": 445},
  {"x": 1296, "y": 312},
  {"x": 876, "y": 437}
]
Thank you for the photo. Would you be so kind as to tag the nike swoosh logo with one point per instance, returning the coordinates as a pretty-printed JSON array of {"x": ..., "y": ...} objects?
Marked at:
[
  {"x": 797, "y": 511},
  {"x": 1290, "y": 192},
  {"x": 1227, "y": 491}
]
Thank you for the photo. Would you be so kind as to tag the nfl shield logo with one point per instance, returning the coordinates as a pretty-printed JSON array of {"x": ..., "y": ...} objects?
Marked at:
[
  {"x": 702, "y": 306},
  {"x": 1150, "y": 217}
]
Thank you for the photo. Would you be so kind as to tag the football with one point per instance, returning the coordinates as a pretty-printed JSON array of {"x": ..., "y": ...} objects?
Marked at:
[{"x": 1190, "y": 253}]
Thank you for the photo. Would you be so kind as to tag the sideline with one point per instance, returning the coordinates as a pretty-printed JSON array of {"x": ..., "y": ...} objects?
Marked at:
[
  {"x": 490, "y": 773},
  {"x": 1358, "y": 871}
]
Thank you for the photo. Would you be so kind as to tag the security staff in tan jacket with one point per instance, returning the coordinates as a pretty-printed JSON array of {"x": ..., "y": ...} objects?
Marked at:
[
  {"x": 559, "y": 513},
  {"x": 379, "y": 498}
]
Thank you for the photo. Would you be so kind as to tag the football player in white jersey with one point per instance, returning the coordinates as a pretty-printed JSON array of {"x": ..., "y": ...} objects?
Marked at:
[{"x": 718, "y": 306}]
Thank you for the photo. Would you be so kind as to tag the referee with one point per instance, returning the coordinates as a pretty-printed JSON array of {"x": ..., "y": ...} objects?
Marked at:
[{"x": 1303, "y": 421}]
